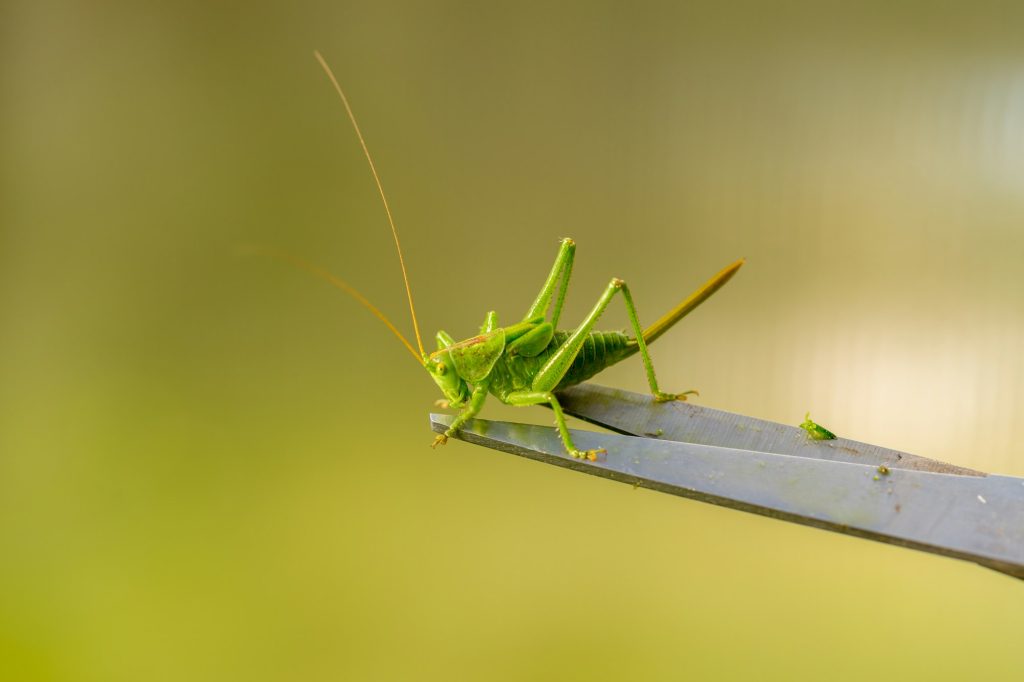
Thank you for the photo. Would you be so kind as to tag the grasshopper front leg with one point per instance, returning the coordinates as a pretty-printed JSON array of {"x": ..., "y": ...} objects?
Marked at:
[{"x": 473, "y": 406}]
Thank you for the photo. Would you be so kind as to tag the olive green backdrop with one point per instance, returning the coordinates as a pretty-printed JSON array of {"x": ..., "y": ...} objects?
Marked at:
[{"x": 215, "y": 467}]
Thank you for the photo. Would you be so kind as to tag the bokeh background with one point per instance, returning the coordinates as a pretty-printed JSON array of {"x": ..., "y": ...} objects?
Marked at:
[{"x": 215, "y": 467}]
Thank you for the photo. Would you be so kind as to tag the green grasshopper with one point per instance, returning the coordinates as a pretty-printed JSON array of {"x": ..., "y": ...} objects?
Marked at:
[
  {"x": 528, "y": 362},
  {"x": 816, "y": 431}
]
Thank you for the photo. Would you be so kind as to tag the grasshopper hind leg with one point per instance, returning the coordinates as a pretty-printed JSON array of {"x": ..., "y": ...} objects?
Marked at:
[
  {"x": 548, "y": 377},
  {"x": 659, "y": 395}
]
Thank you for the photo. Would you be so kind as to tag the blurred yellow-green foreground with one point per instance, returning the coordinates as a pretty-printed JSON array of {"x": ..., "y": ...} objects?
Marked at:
[{"x": 215, "y": 467}]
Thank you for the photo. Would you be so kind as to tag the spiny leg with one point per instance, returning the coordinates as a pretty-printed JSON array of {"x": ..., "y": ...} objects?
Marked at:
[
  {"x": 561, "y": 270},
  {"x": 659, "y": 396},
  {"x": 555, "y": 368},
  {"x": 473, "y": 406},
  {"x": 561, "y": 360},
  {"x": 522, "y": 398}
]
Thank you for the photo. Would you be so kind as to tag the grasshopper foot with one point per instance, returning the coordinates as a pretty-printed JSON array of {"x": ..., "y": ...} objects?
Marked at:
[
  {"x": 443, "y": 404},
  {"x": 588, "y": 454},
  {"x": 440, "y": 440},
  {"x": 661, "y": 397}
]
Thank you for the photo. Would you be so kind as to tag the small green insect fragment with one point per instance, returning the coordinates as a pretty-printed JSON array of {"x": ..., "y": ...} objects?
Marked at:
[
  {"x": 882, "y": 469},
  {"x": 816, "y": 431}
]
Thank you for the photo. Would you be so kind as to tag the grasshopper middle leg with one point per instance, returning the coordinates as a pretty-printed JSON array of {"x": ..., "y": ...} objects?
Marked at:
[{"x": 521, "y": 398}]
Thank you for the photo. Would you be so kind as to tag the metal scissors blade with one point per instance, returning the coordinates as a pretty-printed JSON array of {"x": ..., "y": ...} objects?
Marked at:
[
  {"x": 637, "y": 414},
  {"x": 972, "y": 516}
]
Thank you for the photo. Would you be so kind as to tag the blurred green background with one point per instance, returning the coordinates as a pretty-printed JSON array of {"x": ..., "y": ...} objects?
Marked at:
[{"x": 215, "y": 467}]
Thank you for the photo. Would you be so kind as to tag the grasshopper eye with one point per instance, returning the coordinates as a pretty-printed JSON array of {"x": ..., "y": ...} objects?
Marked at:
[{"x": 441, "y": 369}]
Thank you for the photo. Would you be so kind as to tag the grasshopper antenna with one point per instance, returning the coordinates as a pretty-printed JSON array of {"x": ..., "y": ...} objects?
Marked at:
[
  {"x": 387, "y": 209},
  {"x": 335, "y": 281}
]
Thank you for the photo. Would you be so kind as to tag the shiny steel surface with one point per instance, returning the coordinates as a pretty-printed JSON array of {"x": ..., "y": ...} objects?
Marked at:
[
  {"x": 977, "y": 518},
  {"x": 637, "y": 414}
]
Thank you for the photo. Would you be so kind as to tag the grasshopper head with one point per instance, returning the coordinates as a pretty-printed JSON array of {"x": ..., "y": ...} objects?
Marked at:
[
  {"x": 442, "y": 370},
  {"x": 454, "y": 364}
]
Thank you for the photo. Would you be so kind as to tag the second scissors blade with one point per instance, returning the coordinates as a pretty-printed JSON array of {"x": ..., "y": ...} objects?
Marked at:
[
  {"x": 639, "y": 415},
  {"x": 968, "y": 517}
]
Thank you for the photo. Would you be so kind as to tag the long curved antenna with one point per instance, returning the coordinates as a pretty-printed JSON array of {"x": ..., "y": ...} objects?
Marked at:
[
  {"x": 380, "y": 188},
  {"x": 338, "y": 282}
]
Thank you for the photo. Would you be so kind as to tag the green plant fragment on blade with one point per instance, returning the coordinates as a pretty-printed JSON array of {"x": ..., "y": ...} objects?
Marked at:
[{"x": 816, "y": 431}]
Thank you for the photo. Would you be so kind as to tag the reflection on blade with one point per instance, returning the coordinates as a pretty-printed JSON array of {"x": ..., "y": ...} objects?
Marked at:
[
  {"x": 636, "y": 414},
  {"x": 978, "y": 518}
]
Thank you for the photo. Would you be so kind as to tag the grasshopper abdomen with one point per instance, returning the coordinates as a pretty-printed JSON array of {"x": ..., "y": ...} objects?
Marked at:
[{"x": 599, "y": 351}]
